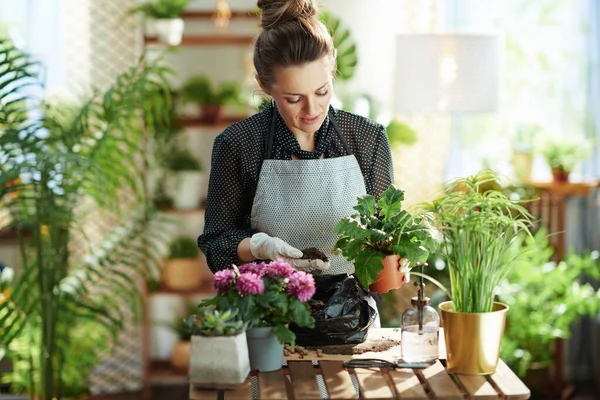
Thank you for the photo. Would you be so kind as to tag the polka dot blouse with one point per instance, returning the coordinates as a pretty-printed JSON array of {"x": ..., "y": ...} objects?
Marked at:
[{"x": 237, "y": 157}]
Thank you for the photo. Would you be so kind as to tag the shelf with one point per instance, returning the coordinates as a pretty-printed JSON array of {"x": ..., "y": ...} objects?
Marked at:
[
  {"x": 205, "y": 289},
  {"x": 11, "y": 235},
  {"x": 235, "y": 14},
  {"x": 206, "y": 40},
  {"x": 183, "y": 212},
  {"x": 191, "y": 122},
  {"x": 161, "y": 372}
]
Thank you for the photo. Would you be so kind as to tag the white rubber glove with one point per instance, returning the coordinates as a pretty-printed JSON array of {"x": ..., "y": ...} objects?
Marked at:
[
  {"x": 405, "y": 270},
  {"x": 265, "y": 247}
]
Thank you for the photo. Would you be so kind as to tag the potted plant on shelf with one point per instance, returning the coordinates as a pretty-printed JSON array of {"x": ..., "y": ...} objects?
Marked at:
[
  {"x": 162, "y": 19},
  {"x": 384, "y": 240},
  {"x": 219, "y": 353},
  {"x": 182, "y": 270},
  {"x": 479, "y": 228},
  {"x": 563, "y": 154},
  {"x": 185, "y": 180},
  {"x": 211, "y": 98},
  {"x": 269, "y": 297}
]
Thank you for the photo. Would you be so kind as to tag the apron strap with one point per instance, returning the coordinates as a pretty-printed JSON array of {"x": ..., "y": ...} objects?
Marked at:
[{"x": 271, "y": 134}]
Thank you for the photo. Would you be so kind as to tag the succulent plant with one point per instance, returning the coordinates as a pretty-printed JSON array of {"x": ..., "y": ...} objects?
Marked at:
[{"x": 216, "y": 323}]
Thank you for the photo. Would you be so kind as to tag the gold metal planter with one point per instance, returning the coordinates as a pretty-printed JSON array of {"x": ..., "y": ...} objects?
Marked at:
[{"x": 473, "y": 340}]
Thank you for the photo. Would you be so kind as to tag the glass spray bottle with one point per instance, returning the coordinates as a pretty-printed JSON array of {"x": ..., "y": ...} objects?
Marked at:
[{"x": 420, "y": 328}]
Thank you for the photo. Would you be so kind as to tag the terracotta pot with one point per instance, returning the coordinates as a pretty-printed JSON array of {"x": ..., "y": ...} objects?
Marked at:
[
  {"x": 182, "y": 274},
  {"x": 180, "y": 356},
  {"x": 560, "y": 175},
  {"x": 211, "y": 114},
  {"x": 390, "y": 278}
]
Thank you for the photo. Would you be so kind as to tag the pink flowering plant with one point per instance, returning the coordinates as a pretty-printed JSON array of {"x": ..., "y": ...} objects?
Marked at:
[{"x": 266, "y": 294}]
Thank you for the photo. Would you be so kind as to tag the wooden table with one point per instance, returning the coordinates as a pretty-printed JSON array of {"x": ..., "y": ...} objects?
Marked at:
[{"x": 298, "y": 380}]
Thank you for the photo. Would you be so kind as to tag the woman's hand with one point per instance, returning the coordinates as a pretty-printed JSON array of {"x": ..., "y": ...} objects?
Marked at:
[{"x": 265, "y": 247}]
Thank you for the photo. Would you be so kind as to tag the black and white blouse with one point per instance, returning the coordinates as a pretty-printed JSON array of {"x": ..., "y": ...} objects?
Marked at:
[{"x": 237, "y": 157}]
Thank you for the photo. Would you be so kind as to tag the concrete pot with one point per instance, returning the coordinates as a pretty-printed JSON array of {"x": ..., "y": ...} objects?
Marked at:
[
  {"x": 219, "y": 362},
  {"x": 166, "y": 30},
  {"x": 185, "y": 188}
]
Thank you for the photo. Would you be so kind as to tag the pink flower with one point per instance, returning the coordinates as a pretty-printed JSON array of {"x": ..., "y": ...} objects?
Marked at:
[
  {"x": 249, "y": 283},
  {"x": 279, "y": 268},
  {"x": 257, "y": 268},
  {"x": 222, "y": 279},
  {"x": 301, "y": 285}
]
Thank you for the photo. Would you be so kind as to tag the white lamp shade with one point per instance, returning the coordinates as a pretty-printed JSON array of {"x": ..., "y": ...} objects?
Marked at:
[{"x": 446, "y": 73}]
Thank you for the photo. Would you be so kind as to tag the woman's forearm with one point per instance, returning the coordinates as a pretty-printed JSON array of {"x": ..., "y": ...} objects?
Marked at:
[{"x": 243, "y": 251}]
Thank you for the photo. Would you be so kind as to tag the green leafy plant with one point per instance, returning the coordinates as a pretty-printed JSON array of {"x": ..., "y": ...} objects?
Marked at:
[
  {"x": 564, "y": 153},
  {"x": 479, "y": 227},
  {"x": 216, "y": 323},
  {"x": 545, "y": 299},
  {"x": 159, "y": 9},
  {"x": 201, "y": 91},
  {"x": 266, "y": 295},
  {"x": 383, "y": 228},
  {"x": 181, "y": 159},
  {"x": 183, "y": 247},
  {"x": 83, "y": 343},
  {"x": 346, "y": 54},
  {"x": 400, "y": 133},
  {"x": 89, "y": 161}
]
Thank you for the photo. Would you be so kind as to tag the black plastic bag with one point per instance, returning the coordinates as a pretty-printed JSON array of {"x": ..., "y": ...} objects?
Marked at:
[{"x": 345, "y": 317}]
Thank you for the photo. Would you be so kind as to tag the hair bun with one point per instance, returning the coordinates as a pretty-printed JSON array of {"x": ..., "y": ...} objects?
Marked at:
[{"x": 276, "y": 12}]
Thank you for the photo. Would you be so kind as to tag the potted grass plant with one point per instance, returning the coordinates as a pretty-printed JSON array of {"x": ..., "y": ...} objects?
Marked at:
[
  {"x": 219, "y": 353},
  {"x": 384, "y": 240},
  {"x": 479, "y": 228}
]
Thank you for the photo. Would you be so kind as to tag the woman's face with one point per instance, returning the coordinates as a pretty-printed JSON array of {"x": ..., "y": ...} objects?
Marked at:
[{"x": 303, "y": 93}]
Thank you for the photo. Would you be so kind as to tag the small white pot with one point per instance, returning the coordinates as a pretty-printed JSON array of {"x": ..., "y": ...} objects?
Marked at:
[
  {"x": 166, "y": 30},
  {"x": 219, "y": 362},
  {"x": 185, "y": 188}
]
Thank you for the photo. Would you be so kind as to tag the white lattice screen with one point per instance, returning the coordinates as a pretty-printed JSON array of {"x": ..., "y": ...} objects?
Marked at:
[{"x": 100, "y": 43}]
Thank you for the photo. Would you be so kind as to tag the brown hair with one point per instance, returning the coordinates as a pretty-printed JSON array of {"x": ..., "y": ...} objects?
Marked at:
[{"x": 292, "y": 35}]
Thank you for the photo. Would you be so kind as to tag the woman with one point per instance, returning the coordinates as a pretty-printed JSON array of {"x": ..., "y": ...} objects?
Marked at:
[{"x": 281, "y": 179}]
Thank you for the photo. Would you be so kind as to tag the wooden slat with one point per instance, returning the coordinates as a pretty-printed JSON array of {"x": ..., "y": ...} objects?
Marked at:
[
  {"x": 372, "y": 384},
  {"x": 477, "y": 387},
  {"x": 271, "y": 385},
  {"x": 235, "y": 14},
  {"x": 242, "y": 392},
  {"x": 440, "y": 382},
  {"x": 304, "y": 380},
  {"x": 509, "y": 383},
  {"x": 337, "y": 380},
  {"x": 407, "y": 384},
  {"x": 203, "y": 394}
]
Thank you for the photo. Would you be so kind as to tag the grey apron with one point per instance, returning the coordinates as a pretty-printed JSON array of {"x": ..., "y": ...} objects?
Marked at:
[{"x": 301, "y": 201}]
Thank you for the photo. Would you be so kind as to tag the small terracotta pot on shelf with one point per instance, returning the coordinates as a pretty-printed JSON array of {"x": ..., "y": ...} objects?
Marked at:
[
  {"x": 560, "y": 175},
  {"x": 390, "y": 278},
  {"x": 212, "y": 114}
]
